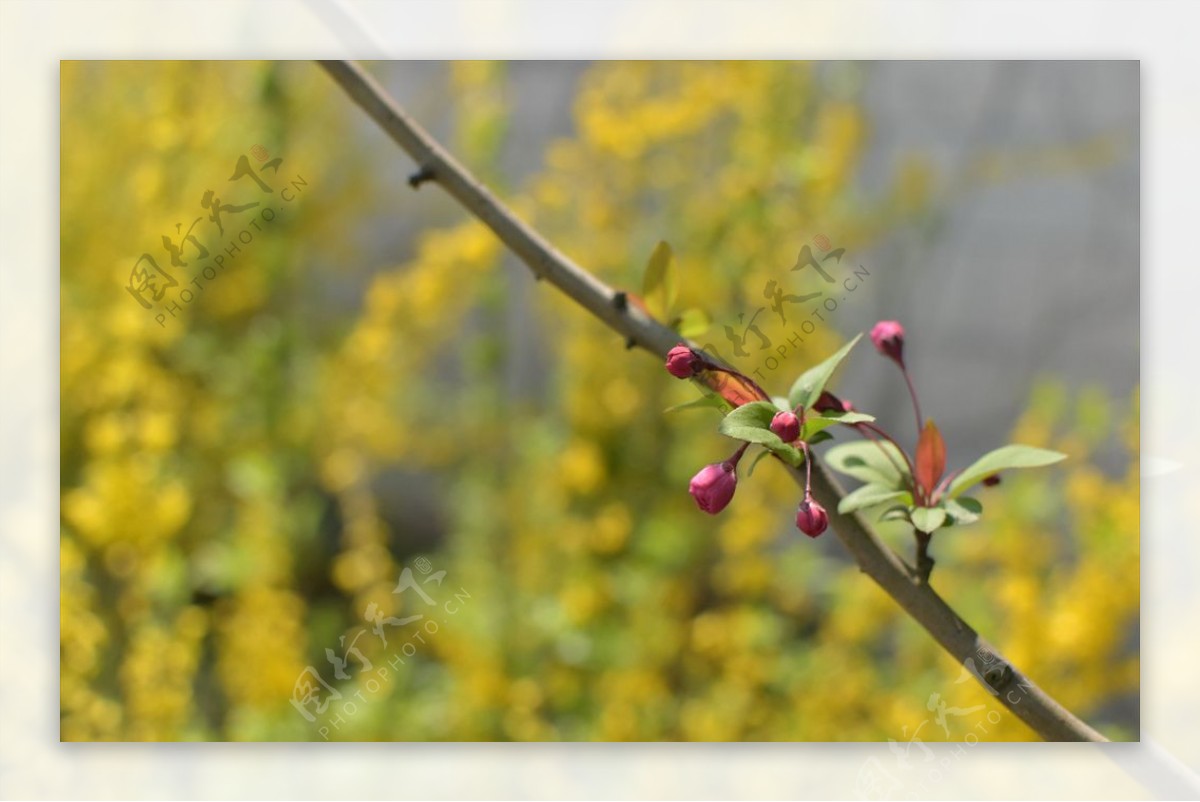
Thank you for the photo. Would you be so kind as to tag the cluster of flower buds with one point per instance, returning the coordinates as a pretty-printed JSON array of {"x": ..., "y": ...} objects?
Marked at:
[
  {"x": 933, "y": 495},
  {"x": 714, "y": 485}
]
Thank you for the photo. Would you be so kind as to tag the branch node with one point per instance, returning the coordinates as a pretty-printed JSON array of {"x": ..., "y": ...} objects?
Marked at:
[
  {"x": 420, "y": 177},
  {"x": 620, "y": 301},
  {"x": 998, "y": 676}
]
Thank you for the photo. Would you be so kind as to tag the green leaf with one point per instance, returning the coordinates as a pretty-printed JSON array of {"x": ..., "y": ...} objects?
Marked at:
[
  {"x": 1002, "y": 459},
  {"x": 710, "y": 400},
  {"x": 964, "y": 510},
  {"x": 751, "y": 423},
  {"x": 765, "y": 438},
  {"x": 756, "y": 413},
  {"x": 818, "y": 423},
  {"x": 807, "y": 389},
  {"x": 780, "y": 403},
  {"x": 898, "y": 512},
  {"x": 692, "y": 323},
  {"x": 928, "y": 519},
  {"x": 868, "y": 496},
  {"x": 749, "y": 434},
  {"x": 819, "y": 437},
  {"x": 754, "y": 463},
  {"x": 866, "y": 461},
  {"x": 658, "y": 282}
]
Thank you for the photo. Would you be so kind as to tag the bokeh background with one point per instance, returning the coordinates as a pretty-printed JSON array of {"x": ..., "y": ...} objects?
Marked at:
[{"x": 374, "y": 385}]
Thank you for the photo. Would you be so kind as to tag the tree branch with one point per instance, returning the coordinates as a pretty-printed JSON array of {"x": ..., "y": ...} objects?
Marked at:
[{"x": 898, "y": 579}]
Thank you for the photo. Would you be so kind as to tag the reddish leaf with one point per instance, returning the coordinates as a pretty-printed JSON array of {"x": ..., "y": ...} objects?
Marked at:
[
  {"x": 931, "y": 457},
  {"x": 734, "y": 390}
]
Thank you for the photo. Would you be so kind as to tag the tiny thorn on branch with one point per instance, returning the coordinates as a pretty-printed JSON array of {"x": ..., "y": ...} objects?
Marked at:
[
  {"x": 620, "y": 301},
  {"x": 630, "y": 343},
  {"x": 420, "y": 177}
]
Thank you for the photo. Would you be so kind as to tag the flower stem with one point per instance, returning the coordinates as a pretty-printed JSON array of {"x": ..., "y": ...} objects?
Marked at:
[
  {"x": 807, "y": 470},
  {"x": 867, "y": 428},
  {"x": 912, "y": 392}
]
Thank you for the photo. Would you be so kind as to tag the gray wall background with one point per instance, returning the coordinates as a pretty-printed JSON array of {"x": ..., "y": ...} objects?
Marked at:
[{"x": 1035, "y": 273}]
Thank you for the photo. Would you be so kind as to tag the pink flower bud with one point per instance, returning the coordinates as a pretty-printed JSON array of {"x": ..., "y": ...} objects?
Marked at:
[
  {"x": 682, "y": 362},
  {"x": 786, "y": 425},
  {"x": 713, "y": 486},
  {"x": 888, "y": 336},
  {"x": 811, "y": 518},
  {"x": 828, "y": 402}
]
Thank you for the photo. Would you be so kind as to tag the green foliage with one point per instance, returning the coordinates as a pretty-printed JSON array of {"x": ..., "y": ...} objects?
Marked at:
[
  {"x": 693, "y": 323},
  {"x": 817, "y": 423},
  {"x": 872, "y": 462},
  {"x": 964, "y": 510},
  {"x": 660, "y": 290},
  {"x": 927, "y": 519},
  {"x": 660, "y": 286},
  {"x": 707, "y": 400},
  {"x": 1002, "y": 459},
  {"x": 751, "y": 423},
  {"x": 807, "y": 389},
  {"x": 885, "y": 476},
  {"x": 869, "y": 496}
]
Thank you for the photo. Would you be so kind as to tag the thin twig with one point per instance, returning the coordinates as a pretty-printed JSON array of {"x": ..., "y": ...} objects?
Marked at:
[{"x": 1012, "y": 689}]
